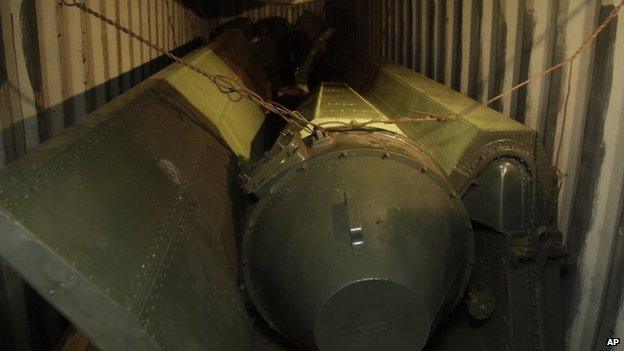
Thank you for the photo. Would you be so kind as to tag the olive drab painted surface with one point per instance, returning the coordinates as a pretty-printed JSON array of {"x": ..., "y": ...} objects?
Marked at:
[
  {"x": 346, "y": 219},
  {"x": 463, "y": 148},
  {"x": 125, "y": 221},
  {"x": 392, "y": 236},
  {"x": 361, "y": 245}
]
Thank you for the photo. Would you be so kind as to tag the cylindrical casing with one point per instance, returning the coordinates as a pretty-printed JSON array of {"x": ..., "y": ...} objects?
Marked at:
[{"x": 362, "y": 246}]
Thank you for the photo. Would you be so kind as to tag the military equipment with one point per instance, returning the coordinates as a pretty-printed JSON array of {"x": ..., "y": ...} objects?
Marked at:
[
  {"x": 340, "y": 247},
  {"x": 361, "y": 238},
  {"x": 125, "y": 222},
  {"x": 409, "y": 218}
]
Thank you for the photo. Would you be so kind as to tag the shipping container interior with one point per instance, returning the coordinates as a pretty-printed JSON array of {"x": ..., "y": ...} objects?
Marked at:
[{"x": 60, "y": 63}]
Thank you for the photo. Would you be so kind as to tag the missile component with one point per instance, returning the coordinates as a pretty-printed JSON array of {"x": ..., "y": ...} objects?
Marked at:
[
  {"x": 357, "y": 242},
  {"x": 125, "y": 222},
  {"x": 360, "y": 238}
]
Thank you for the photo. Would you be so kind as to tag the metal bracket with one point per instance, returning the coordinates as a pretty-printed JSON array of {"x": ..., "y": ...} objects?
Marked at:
[
  {"x": 302, "y": 73},
  {"x": 355, "y": 223}
]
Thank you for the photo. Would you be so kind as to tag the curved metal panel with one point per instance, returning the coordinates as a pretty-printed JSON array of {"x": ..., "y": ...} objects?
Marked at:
[
  {"x": 499, "y": 197},
  {"x": 125, "y": 222}
]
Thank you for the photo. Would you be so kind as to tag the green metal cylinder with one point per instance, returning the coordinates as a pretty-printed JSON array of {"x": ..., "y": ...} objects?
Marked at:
[{"x": 363, "y": 245}]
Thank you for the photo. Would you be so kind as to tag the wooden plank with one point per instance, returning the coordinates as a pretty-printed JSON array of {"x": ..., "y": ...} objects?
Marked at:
[
  {"x": 513, "y": 14},
  {"x": 543, "y": 18},
  {"x": 50, "y": 58}
]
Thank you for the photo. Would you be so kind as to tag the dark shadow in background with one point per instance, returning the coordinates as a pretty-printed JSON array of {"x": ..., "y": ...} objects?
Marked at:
[{"x": 218, "y": 9}]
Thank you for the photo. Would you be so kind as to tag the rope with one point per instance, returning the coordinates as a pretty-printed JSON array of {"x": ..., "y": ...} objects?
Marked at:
[
  {"x": 236, "y": 91},
  {"x": 588, "y": 41},
  {"x": 568, "y": 60},
  {"x": 557, "y": 190},
  {"x": 227, "y": 85}
]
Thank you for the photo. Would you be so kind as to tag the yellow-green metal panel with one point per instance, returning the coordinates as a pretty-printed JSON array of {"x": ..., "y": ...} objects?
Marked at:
[
  {"x": 125, "y": 222},
  {"x": 237, "y": 120},
  {"x": 337, "y": 104}
]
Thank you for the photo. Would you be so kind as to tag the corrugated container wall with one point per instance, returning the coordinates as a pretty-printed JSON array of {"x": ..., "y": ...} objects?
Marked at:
[
  {"x": 57, "y": 65},
  {"x": 60, "y": 64}
]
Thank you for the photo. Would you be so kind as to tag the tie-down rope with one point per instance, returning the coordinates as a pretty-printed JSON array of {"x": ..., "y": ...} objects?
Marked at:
[{"x": 236, "y": 91}]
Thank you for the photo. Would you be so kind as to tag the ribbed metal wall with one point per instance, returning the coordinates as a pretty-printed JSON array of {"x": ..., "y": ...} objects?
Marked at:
[
  {"x": 57, "y": 65},
  {"x": 483, "y": 47}
]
